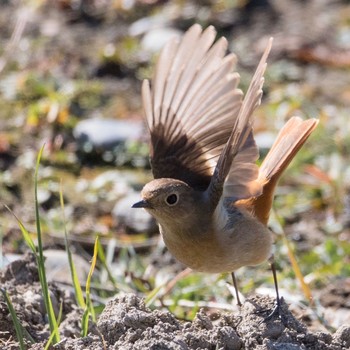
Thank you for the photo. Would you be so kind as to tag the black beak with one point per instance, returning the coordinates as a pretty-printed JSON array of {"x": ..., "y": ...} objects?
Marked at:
[{"x": 142, "y": 204}]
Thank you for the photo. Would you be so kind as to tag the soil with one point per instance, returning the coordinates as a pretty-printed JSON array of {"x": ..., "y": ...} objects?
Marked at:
[{"x": 126, "y": 323}]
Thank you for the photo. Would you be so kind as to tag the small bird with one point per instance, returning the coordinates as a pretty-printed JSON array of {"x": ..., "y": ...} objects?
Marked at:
[{"x": 209, "y": 197}]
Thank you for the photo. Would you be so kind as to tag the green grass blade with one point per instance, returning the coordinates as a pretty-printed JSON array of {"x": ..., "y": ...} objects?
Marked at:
[
  {"x": 51, "y": 338},
  {"x": 102, "y": 259},
  {"x": 88, "y": 282},
  {"x": 25, "y": 232},
  {"x": 153, "y": 294},
  {"x": 75, "y": 280},
  {"x": 41, "y": 260},
  {"x": 85, "y": 322},
  {"x": 37, "y": 216},
  {"x": 15, "y": 320},
  {"x": 89, "y": 309},
  {"x": 49, "y": 342}
]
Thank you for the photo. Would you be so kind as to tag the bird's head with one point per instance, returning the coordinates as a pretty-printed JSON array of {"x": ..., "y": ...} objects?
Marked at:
[{"x": 168, "y": 199}]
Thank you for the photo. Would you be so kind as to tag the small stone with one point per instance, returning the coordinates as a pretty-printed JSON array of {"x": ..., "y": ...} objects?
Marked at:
[
  {"x": 155, "y": 39},
  {"x": 105, "y": 139},
  {"x": 58, "y": 269},
  {"x": 134, "y": 220}
]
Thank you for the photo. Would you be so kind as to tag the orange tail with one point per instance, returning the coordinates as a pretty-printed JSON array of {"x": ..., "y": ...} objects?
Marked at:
[{"x": 289, "y": 140}]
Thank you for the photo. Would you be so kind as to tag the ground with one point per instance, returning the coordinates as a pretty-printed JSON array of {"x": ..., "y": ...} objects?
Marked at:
[
  {"x": 64, "y": 62},
  {"x": 126, "y": 323}
]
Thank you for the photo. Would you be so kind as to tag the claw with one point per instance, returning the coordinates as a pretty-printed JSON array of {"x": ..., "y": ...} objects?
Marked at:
[{"x": 277, "y": 310}]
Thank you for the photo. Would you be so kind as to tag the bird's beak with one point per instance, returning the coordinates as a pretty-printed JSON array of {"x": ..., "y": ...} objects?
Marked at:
[{"x": 142, "y": 204}]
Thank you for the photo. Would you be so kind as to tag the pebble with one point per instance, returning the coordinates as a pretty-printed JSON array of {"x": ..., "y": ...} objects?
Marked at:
[
  {"x": 134, "y": 220},
  {"x": 57, "y": 266},
  {"x": 106, "y": 137},
  {"x": 106, "y": 132},
  {"x": 154, "y": 40}
]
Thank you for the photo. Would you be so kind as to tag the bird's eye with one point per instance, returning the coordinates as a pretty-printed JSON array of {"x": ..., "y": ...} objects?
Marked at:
[{"x": 171, "y": 199}]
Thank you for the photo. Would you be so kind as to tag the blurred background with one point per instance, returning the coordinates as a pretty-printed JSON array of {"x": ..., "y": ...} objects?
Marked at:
[{"x": 70, "y": 78}]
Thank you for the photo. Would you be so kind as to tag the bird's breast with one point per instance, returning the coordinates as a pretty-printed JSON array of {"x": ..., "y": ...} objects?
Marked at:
[{"x": 221, "y": 246}]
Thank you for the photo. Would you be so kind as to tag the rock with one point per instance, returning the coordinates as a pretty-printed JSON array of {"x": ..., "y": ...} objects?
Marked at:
[
  {"x": 155, "y": 39},
  {"x": 106, "y": 139},
  {"x": 106, "y": 132},
  {"x": 134, "y": 220},
  {"x": 57, "y": 266}
]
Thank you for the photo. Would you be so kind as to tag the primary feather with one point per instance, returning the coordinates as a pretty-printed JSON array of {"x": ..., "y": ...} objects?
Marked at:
[{"x": 192, "y": 108}]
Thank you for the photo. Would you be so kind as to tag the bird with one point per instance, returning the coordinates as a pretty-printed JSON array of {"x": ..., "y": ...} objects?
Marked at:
[{"x": 210, "y": 198}]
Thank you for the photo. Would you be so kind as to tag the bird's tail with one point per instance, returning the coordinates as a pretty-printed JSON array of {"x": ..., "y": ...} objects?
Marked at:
[{"x": 289, "y": 141}]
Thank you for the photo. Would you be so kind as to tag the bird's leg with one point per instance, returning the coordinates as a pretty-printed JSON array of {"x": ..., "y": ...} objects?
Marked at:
[
  {"x": 277, "y": 308},
  {"x": 236, "y": 288},
  {"x": 274, "y": 273}
]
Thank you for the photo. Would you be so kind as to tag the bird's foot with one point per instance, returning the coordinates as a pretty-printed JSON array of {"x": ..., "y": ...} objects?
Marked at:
[{"x": 277, "y": 310}]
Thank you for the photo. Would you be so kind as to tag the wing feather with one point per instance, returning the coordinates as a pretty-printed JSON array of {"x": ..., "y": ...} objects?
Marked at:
[
  {"x": 183, "y": 54},
  {"x": 160, "y": 77},
  {"x": 192, "y": 107},
  {"x": 236, "y": 164}
]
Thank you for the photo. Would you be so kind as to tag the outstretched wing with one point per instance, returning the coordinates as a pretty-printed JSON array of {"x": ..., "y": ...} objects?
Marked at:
[
  {"x": 236, "y": 173},
  {"x": 192, "y": 106}
]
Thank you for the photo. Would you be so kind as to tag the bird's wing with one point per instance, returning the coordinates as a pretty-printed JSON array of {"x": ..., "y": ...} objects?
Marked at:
[
  {"x": 236, "y": 173},
  {"x": 191, "y": 107}
]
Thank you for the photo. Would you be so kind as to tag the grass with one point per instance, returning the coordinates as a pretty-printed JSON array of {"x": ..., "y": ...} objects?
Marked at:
[
  {"x": 19, "y": 329},
  {"x": 38, "y": 251},
  {"x": 78, "y": 293},
  {"x": 89, "y": 308},
  {"x": 40, "y": 259}
]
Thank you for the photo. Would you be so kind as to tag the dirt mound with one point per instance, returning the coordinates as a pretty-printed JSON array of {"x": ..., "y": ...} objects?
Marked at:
[
  {"x": 126, "y": 323},
  {"x": 20, "y": 279}
]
